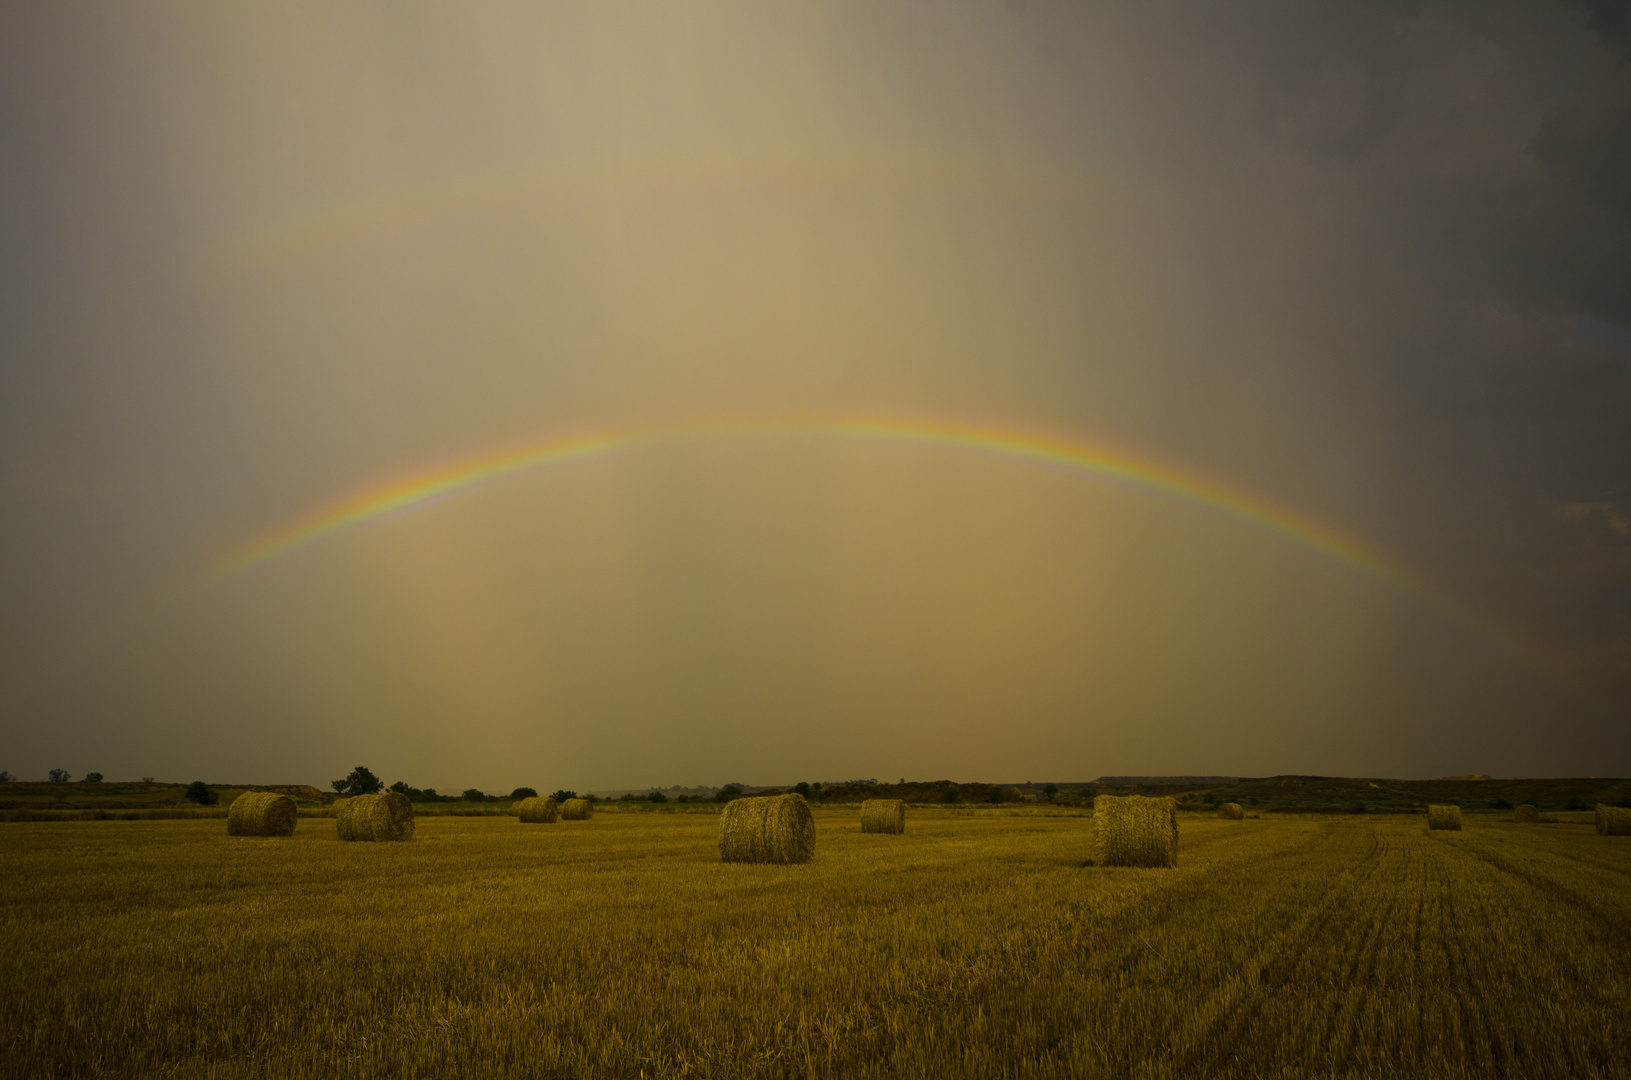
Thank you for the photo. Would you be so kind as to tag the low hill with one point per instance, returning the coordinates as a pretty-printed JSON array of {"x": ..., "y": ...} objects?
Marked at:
[{"x": 132, "y": 795}]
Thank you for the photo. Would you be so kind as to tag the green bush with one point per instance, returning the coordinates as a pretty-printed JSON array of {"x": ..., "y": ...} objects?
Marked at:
[
  {"x": 360, "y": 782},
  {"x": 200, "y": 793}
]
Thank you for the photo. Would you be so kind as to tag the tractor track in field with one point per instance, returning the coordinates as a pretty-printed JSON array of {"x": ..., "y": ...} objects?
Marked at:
[
  {"x": 1606, "y": 922},
  {"x": 1212, "y": 1039}
]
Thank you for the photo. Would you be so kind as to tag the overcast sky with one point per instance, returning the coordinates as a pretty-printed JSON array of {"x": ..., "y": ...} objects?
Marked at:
[{"x": 1369, "y": 262}]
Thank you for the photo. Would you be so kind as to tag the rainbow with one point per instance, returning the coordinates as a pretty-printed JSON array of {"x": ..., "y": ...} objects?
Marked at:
[{"x": 1071, "y": 456}]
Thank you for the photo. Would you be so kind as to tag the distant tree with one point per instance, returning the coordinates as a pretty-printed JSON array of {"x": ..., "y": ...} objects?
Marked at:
[
  {"x": 729, "y": 792},
  {"x": 401, "y": 787},
  {"x": 1359, "y": 808},
  {"x": 950, "y": 794},
  {"x": 59, "y": 776},
  {"x": 473, "y": 795},
  {"x": 1049, "y": 791},
  {"x": 147, "y": 779},
  {"x": 802, "y": 788},
  {"x": 524, "y": 793},
  {"x": 657, "y": 796},
  {"x": 1500, "y": 804},
  {"x": 93, "y": 778},
  {"x": 338, "y": 786},
  {"x": 1576, "y": 803},
  {"x": 6, "y": 777},
  {"x": 816, "y": 786},
  {"x": 592, "y": 797},
  {"x": 994, "y": 795},
  {"x": 363, "y": 782},
  {"x": 563, "y": 795},
  {"x": 200, "y": 793}
]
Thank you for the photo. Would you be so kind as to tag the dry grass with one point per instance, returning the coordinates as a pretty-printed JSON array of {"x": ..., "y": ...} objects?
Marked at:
[
  {"x": 769, "y": 829},
  {"x": 262, "y": 813},
  {"x": 1232, "y": 811},
  {"x": 1613, "y": 820},
  {"x": 1526, "y": 814},
  {"x": 1133, "y": 830},
  {"x": 539, "y": 811},
  {"x": 385, "y": 817},
  {"x": 577, "y": 810},
  {"x": 1444, "y": 817},
  {"x": 976, "y": 947},
  {"x": 883, "y": 816}
]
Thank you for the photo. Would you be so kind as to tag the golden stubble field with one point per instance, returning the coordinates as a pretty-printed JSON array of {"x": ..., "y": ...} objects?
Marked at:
[{"x": 973, "y": 946}]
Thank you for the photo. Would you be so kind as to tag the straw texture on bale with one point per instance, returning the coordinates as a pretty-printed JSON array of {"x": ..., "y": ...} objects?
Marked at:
[
  {"x": 1134, "y": 830},
  {"x": 343, "y": 810},
  {"x": 1444, "y": 817},
  {"x": 883, "y": 816},
  {"x": 376, "y": 817},
  {"x": 261, "y": 813},
  {"x": 1613, "y": 820},
  {"x": 577, "y": 810},
  {"x": 768, "y": 829},
  {"x": 1232, "y": 810},
  {"x": 1526, "y": 812},
  {"x": 539, "y": 811}
]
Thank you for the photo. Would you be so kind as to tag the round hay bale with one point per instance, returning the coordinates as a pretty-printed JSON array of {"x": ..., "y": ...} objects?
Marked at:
[
  {"x": 1613, "y": 820},
  {"x": 262, "y": 813},
  {"x": 345, "y": 816},
  {"x": 390, "y": 817},
  {"x": 376, "y": 817},
  {"x": 883, "y": 816},
  {"x": 767, "y": 829},
  {"x": 539, "y": 811},
  {"x": 1231, "y": 811},
  {"x": 1444, "y": 817},
  {"x": 1526, "y": 813},
  {"x": 1135, "y": 830},
  {"x": 577, "y": 810}
]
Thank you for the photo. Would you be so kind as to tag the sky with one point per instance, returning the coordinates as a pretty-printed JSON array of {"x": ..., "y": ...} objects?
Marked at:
[{"x": 1324, "y": 310}]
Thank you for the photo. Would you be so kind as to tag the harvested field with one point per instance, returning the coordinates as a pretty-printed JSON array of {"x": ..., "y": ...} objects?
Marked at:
[{"x": 975, "y": 946}]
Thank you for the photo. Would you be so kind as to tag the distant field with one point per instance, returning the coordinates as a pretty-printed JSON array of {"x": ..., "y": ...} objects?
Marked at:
[{"x": 976, "y": 945}]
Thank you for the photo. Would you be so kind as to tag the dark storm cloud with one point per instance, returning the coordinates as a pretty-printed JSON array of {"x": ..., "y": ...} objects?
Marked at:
[{"x": 1479, "y": 160}]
